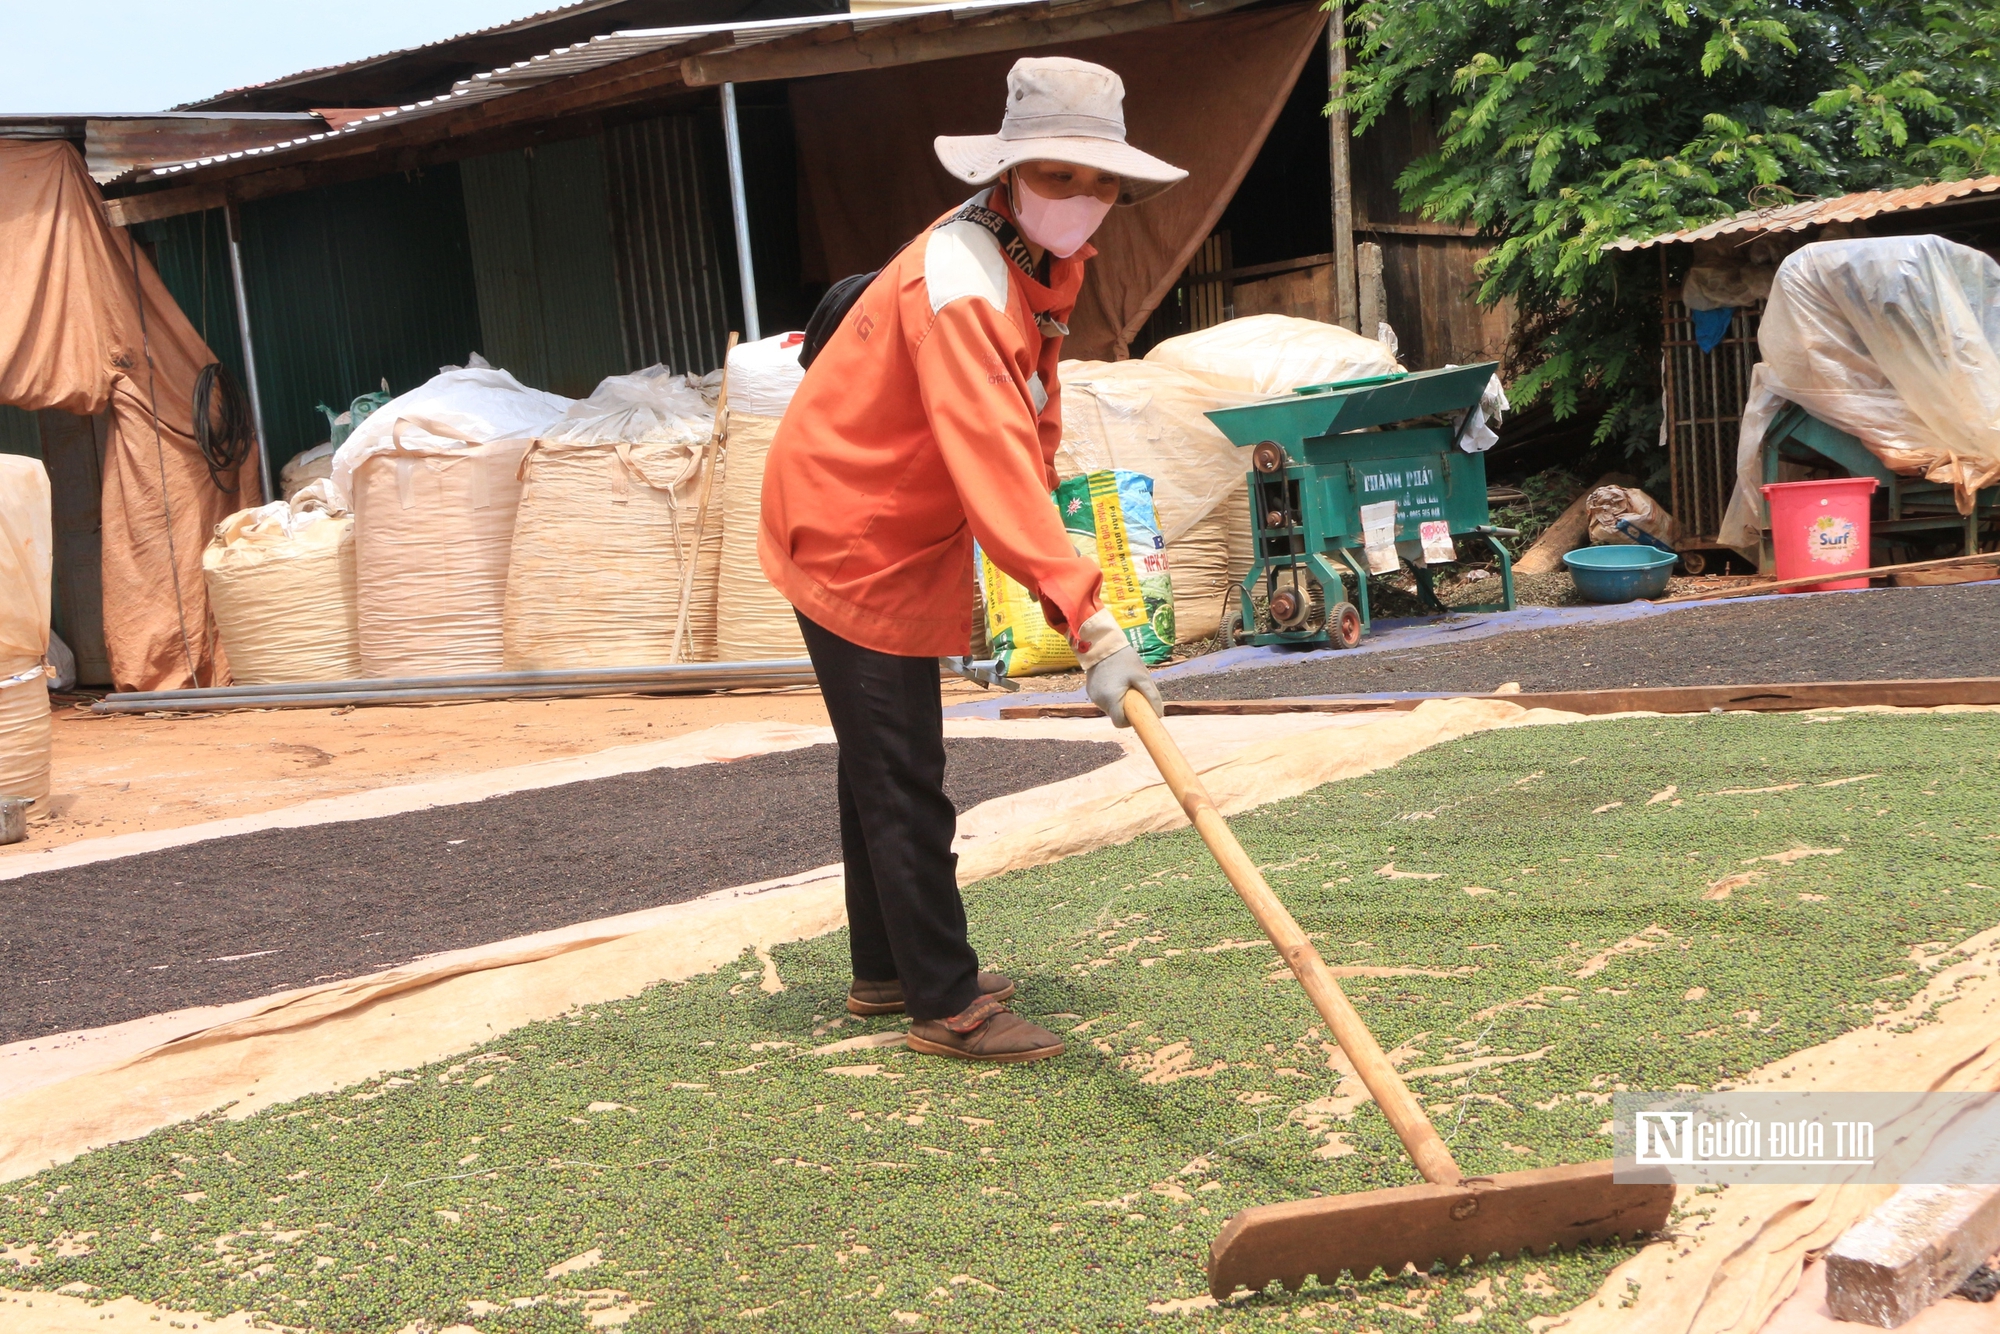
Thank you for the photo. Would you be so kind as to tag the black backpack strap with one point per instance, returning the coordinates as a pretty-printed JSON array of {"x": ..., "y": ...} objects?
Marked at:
[{"x": 1012, "y": 246}]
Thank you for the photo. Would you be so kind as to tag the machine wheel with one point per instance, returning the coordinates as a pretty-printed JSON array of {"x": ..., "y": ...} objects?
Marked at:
[
  {"x": 1267, "y": 457},
  {"x": 1694, "y": 562},
  {"x": 1343, "y": 624},
  {"x": 1232, "y": 623}
]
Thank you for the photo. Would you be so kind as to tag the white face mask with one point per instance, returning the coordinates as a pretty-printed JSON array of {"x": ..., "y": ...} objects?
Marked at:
[{"x": 1059, "y": 226}]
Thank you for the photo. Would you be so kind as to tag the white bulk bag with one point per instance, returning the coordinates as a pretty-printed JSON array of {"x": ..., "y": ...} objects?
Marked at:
[
  {"x": 1274, "y": 354},
  {"x": 765, "y": 374},
  {"x": 26, "y": 560},
  {"x": 281, "y": 583},
  {"x": 753, "y": 619},
  {"x": 314, "y": 465},
  {"x": 606, "y": 531},
  {"x": 433, "y": 528},
  {"x": 604, "y": 535}
]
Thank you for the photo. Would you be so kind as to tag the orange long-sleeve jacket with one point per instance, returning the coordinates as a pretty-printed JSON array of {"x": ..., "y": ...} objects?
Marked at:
[{"x": 930, "y": 418}]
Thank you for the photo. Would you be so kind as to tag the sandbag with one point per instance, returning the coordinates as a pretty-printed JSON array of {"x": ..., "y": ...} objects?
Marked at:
[
  {"x": 1109, "y": 515},
  {"x": 1607, "y": 505},
  {"x": 753, "y": 619},
  {"x": 1274, "y": 354},
  {"x": 1241, "y": 538},
  {"x": 433, "y": 530},
  {"x": 281, "y": 584},
  {"x": 27, "y": 548},
  {"x": 606, "y": 530},
  {"x": 1148, "y": 418}
]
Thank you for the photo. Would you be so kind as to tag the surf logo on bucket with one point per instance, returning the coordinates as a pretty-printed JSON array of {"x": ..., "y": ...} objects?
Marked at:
[{"x": 1832, "y": 538}]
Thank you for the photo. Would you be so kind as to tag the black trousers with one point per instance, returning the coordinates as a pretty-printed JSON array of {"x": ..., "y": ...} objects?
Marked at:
[{"x": 905, "y": 918}]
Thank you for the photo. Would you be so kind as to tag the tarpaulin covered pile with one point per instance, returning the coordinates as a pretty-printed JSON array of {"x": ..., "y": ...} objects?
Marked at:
[
  {"x": 86, "y": 323},
  {"x": 1895, "y": 340}
]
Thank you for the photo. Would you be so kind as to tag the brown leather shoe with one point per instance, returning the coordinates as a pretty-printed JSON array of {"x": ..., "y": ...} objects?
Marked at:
[
  {"x": 985, "y": 1031},
  {"x": 866, "y": 998}
]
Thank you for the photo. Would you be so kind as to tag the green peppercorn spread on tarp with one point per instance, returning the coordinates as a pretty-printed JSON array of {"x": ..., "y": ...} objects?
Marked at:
[{"x": 1529, "y": 919}]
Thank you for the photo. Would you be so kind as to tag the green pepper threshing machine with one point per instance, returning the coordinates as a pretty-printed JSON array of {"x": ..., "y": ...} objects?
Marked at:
[{"x": 1323, "y": 452}]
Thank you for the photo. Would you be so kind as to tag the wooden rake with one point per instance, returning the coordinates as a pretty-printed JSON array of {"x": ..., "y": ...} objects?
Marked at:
[{"x": 1450, "y": 1218}]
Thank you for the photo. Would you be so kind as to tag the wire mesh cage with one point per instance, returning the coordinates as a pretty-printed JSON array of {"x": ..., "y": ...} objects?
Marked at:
[{"x": 1705, "y": 393}]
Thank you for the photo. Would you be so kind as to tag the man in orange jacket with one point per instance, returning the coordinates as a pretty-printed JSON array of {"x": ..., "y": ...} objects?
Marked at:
[{"x": 929, "y": 420}]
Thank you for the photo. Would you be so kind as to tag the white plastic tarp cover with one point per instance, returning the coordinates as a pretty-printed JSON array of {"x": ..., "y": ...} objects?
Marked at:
[
  {"x": 652, "y": 406},
  {"x": 1895, "y": 340},
  {"x": 474, "y": 405},
  {"x": 1274, "y": 354}
]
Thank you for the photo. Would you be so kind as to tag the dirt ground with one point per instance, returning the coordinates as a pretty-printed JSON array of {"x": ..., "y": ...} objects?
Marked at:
[{"x": 117, "y": 774}]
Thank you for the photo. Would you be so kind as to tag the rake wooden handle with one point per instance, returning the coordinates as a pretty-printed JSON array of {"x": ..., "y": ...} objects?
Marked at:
[{"x": 1391, "y": 1094}]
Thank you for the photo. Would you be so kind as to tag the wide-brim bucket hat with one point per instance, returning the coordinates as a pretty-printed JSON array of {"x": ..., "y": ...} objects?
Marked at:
[{"x": 1060, "y": 110}]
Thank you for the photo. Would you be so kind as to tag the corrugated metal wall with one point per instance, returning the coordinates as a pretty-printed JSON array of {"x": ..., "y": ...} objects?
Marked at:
[
  {"x": 192, "y": 254},
  {"x": 353, "y": 284},
  {"x": 669, "y": 207},
  {"x": 564, "y": 263},
  {"x": 541, "y": 261},
  {"x": 18, "y": 432}
]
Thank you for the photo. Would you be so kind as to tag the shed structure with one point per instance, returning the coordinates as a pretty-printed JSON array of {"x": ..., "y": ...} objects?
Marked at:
[{"x": 1704, "y": 388}]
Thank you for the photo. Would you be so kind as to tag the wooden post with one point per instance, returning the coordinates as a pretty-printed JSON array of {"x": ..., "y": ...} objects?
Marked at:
[
  {"x": 1373, "y": 296},
  {"x": 1346, "y": 304}
]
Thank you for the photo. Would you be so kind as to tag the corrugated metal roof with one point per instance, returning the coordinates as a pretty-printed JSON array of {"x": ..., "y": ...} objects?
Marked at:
[
  {"x": 526, "y": 21},
  {"x": 610, "y": 49},
  {"x": 1818, "y": 212}
]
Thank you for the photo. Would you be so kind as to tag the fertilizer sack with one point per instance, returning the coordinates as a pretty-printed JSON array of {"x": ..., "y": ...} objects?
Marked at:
[{"x": 1109, "y": 516}]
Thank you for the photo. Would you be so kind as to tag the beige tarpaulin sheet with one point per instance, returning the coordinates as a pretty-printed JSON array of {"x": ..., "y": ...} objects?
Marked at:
[
  {"x": 1736, "y": 1254},
  {"x": 1202, "y": 95},
  {"x": 77, "y": 335}
]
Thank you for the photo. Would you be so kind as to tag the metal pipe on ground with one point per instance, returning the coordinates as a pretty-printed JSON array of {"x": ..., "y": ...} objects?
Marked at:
[{"x": 687, "y": 678}]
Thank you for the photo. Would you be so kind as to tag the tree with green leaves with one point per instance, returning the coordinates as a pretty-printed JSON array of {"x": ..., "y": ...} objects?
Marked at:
[{"x": 1564, "y": 124}]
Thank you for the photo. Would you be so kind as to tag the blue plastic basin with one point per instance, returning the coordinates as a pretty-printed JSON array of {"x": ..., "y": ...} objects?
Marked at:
[{"x": 1620, "y": 574}]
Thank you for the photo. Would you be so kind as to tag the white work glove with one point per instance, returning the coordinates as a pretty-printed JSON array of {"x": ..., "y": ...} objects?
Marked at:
[{"x": 1111, "y": 667}]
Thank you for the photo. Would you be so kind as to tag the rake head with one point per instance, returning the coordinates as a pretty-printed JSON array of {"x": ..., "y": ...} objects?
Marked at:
[{"x": 1421, "y": 1225}]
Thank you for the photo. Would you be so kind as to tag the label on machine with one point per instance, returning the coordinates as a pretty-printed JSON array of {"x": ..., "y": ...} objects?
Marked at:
[
  {"x": 1378, "y": 536},
  {"x": 1436, "y": 536}
]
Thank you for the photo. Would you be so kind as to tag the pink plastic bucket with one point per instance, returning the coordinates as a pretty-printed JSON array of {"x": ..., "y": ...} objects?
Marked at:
[{"x": 1820, "y": 528}]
